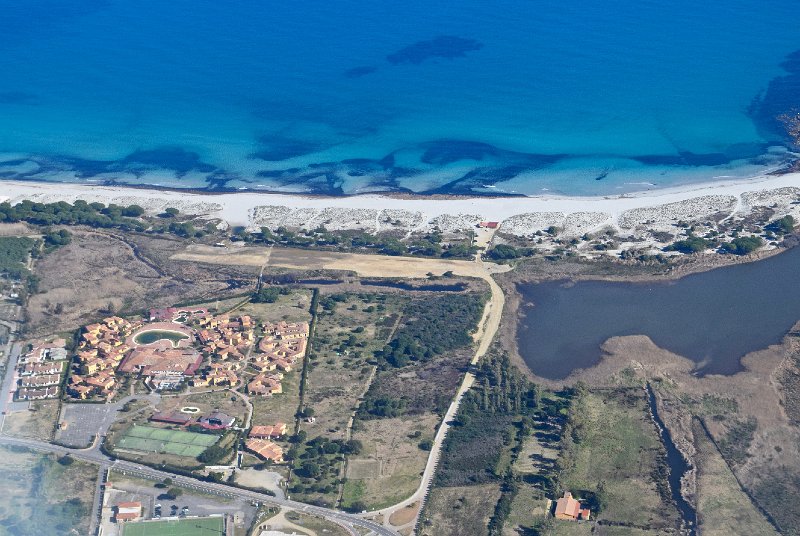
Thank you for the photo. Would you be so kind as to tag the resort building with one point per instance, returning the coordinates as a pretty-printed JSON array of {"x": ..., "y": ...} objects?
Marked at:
[
  {"x": 265, "y": 385},
  {"x": 37, "y": 394},
  {"x": 265, "y": 449},
  {"x": 40, "y": 381},
  {"x": 39, "y": 370},
  {"x": 175, "y": 417},
  {"x": 216, "y": 420},
  {"x": 569, "y": 508}
]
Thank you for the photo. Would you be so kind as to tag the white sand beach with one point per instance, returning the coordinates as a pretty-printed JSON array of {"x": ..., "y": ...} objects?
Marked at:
[{"x": 520, "y": 216}]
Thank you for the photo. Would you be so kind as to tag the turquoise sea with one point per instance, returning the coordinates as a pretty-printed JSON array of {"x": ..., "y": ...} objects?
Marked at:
[{"x": 578, "y": 97}]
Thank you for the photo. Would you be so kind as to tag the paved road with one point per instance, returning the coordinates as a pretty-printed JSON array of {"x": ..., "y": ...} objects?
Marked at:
[
  {"x": 9, "y": 382},
  {"x": 94, "y": 456}
]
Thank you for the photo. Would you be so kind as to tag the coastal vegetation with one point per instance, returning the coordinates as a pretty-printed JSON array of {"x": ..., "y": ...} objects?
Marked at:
[
  {"x": 429, "y": 244},
  {"x": 43, "y": 496},
  {"x": 97, "y": 216},
  {"x": 605, "y": 431},
  {"x": 14, "y": 254},
  {"x": 494, "y": 420},
  {"x": 432, "y": 327}
]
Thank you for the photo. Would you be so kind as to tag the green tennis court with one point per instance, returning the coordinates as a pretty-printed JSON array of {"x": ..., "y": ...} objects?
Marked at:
[
  {"x": 176, "y": 527},
  {"x": 161, "y": 440}
]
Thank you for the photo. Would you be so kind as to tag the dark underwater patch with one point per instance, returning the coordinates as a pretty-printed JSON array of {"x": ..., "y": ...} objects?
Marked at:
[
  {"x": 444, "y": 46},
  {"x": 474, "y": 182},
  {"x": 176, "y": 159},
  {"x": 772, "y": 111},
  {"x": 276, "y": 148},
  {"x": 444, "y": 152},
  {"x": 358, "y": 72}
]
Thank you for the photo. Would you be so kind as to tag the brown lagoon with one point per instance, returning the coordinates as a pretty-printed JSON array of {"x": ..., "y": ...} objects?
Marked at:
[{"x": 713, "y": 318}]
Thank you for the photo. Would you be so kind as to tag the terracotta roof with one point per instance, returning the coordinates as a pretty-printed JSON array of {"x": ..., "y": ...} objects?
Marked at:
[
  {"x": 266, "y": 449},
  {"x": 567, "y": 506}
]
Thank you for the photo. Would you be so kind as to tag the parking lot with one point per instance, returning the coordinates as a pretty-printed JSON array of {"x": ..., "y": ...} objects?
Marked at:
[
  {"x": 83, "y": 422},
  {"x": 188, "y": 503}
]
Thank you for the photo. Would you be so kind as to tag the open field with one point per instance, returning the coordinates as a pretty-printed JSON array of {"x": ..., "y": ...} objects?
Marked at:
[
  {"x": 527, "y": 510},
  {"x": 128, "y": 273},
  {"x": 291, "y": 307},
  {"x": 176, "y": 527},
  {"x": 457, "y": 511},
  {"x": 346, "y": 336},
  {"x": 163, "y": 441},
  {"x": 42, "y": 496},
  {"x": 613, "y": 444},
  {"x": 388, "y": 469},
  {"x": 38, "y": 422},
  {"x": 281, "y": 407},
  {"x": 363, "y": 265}
]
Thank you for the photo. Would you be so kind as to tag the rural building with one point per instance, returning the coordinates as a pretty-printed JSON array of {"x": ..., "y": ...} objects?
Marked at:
[
  {"x": 569, "y": 508},
  {"x": 489, "y": 224},
  {"x": 265, "y": 449}
]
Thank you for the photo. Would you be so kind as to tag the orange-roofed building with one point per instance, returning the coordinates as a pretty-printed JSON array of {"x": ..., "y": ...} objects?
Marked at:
[
  {"x": 268, "y": 432},
  {"x": 569, "y": 508},
  {"x": 265, "y": 449}
]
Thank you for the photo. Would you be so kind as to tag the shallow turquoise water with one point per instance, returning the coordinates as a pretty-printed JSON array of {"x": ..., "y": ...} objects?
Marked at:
[{"x": 580, "y": 97}]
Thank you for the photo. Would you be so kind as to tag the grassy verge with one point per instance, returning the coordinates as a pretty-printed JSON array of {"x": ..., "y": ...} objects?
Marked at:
[
  {"x": 612, "y": 458},
  {"x": 722, "y": 506}
]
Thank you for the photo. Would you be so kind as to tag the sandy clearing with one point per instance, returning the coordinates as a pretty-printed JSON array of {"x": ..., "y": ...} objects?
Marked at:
[{"x": 363, "y": 265}]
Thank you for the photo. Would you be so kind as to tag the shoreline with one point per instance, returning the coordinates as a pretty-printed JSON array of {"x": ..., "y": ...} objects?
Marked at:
[{"x": 238, "y": 207}]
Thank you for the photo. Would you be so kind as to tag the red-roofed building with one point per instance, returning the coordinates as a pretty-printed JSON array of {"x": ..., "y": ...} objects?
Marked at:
[
  {"x": 569, "y": 508},
  {"x": 128, "y": 511}
]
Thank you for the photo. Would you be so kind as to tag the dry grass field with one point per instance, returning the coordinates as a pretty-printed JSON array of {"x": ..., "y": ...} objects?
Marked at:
[
  {"x": 388, "y": 470},
  {"x": 292, "y": 307},
  {"x": 98, "y": 273},
  {"x": 344, "y": 341},
  {"x": 305, "y": 260},
  {"x": 459, "y": 511},
  {"x": 723, "y": 508},
  {"x": 38, "y": 422}
]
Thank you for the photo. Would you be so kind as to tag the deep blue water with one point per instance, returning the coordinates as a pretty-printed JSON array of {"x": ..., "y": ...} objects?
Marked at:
[{"x": 337, "y": 96}]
